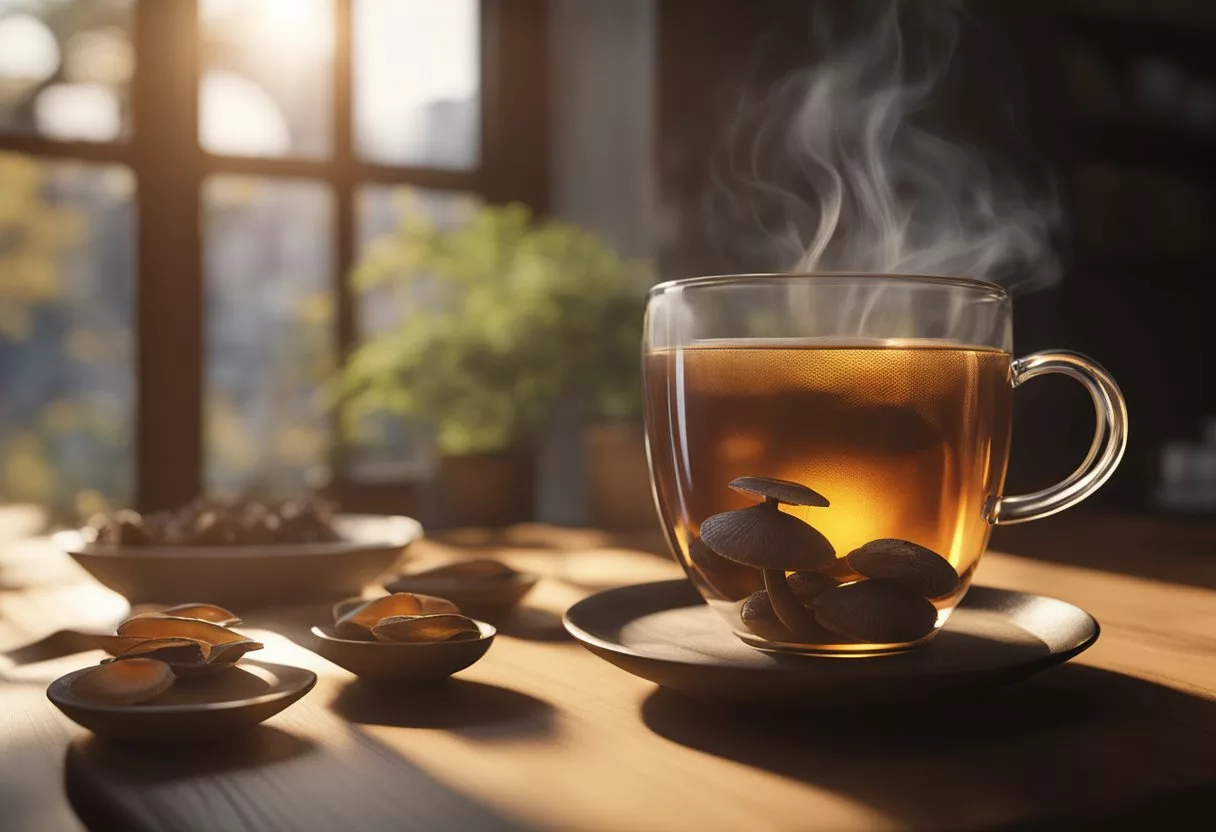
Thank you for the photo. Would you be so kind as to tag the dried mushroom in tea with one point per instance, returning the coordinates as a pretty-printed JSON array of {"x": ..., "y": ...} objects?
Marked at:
[
  {"x": 921, "y": 570},
  {"x": 768, "y": 539},
  {"x": 876, "y": 611},
  {"x": 733, "y": 581}
]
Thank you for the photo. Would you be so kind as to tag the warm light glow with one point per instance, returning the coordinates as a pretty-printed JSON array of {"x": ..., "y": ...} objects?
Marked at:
[
  {"x": 83, "y": 112},
  {"x": 239, "y": 118},
  {"x": 28, "y": 49},
  {"x": 301, "y": 27},
  {"x": 102, "y": 55},
  {"x": 432, "y": 56}
]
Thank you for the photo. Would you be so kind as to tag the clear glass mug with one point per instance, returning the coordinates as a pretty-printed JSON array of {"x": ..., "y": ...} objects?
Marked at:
[{"x": 828, "y": 451}]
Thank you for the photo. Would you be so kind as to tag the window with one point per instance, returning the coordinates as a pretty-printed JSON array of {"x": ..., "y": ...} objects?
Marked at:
[{"x": 184, "y": 186}]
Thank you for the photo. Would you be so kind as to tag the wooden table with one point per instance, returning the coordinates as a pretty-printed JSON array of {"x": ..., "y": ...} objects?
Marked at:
[{"x": 541, "y": 734}]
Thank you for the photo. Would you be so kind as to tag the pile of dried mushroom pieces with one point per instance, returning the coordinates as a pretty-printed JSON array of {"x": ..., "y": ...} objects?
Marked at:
[
  {"x": 403, "y": 617},
  {"x": 149, "y": 652},
  {"x": 794, "y": 588}
]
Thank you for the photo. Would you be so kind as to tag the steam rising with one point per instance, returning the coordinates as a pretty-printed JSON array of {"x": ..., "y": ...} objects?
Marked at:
[{"x": 840, "y": 179}]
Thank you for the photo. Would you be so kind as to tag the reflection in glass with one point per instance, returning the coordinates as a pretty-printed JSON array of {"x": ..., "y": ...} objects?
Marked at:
[
  {"x": 416, "y": 87},
  {"x": 266, "y": 87},
  {"x": 66, "y": 68},
  {"x": 269, "y": 344},
  {"x": 384, "y": 446},
  {"x": 66, "y": 344}
]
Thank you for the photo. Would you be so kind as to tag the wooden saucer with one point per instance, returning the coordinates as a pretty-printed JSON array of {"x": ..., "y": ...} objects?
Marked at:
[
  {"x": 664, "y": 632},
  {"x": 202, "y": 708}
]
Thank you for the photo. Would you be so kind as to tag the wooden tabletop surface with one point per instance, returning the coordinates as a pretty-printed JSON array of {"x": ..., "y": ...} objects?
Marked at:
[{"x": 542, "y": 735}]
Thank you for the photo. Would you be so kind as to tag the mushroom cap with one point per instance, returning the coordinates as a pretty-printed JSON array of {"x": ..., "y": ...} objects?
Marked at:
[
  {"x": 767, "y": 538},
  {"x": 921, "y": 570},
  {"x": 783, "y": 491}
]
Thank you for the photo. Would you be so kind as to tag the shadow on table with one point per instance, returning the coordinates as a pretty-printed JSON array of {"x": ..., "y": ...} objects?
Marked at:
[
  {"x": 532, "y": 624},
  {"x": 143, "y": 763},
  {"x": 1076, "y": 744},
  {"x": 473, "y": 709},
  {"x": 269, "y": 779}
]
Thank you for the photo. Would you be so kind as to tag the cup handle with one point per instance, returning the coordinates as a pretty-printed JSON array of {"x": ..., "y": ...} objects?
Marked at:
[{"x": 1110, "y": 439}]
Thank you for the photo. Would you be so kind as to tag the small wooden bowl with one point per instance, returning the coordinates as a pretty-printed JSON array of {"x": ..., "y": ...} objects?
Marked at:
[
  {"x": 380, "y": 661},
  {"x": 207, "y": 708}
]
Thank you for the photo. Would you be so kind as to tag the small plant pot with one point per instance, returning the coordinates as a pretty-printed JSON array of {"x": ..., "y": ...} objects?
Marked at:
[{"x": 490, "y": 489}]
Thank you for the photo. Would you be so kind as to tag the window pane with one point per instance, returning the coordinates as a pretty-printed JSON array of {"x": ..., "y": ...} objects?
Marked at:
[
  {"x": 66, "y": 265},
  {"x": 269, "y": 334},
  {"x": 267, "y": 81},
  {"x": 65, "y": 68},
  {"x": 384, "y": 446},
  {"x": 416, "y": 88}
]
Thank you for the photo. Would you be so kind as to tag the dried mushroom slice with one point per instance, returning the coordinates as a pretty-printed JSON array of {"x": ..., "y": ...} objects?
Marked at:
[
  {"x": 128, "y": 682},
  {"x": 876, "y": 611},
  {"x": 426, "y": 628},
  {"x": 166, "y": 626},
  {"x": 357, "y": 624},
  {"x": 175, "y": 651},
  {"x": 921, "y": 570},
  {"x": 200, "y": 612},
  {"x": 434, "y": 605}
]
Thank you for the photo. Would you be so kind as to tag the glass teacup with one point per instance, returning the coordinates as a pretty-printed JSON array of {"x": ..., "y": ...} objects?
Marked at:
[{"x": 828, "y": 452}]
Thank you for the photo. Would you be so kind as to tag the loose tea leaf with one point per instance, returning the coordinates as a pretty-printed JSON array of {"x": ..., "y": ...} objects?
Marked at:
[
  {"x": 127, "y": 682},
  {"x": 921, "y": 570},
  {"x": 876, "y": 611}
]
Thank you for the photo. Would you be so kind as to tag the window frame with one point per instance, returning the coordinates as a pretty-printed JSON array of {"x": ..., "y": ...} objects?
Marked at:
[{"x": 163, "y": 153}]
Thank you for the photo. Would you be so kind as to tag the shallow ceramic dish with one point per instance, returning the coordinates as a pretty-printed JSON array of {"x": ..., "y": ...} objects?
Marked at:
[
  {"x": 380, "y": 661},
  {"x": 254, "y": 575},
  {"x": 202, "y": 708},
  {"x": 486, "y": 599},
  {"x": 664, "y": 632}
]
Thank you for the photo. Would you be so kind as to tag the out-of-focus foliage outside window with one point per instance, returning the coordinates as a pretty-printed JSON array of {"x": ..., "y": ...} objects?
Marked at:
[
  {"x": 266, "y": 88},
  {"x": 66, "y": 68},
  {"x": 384, "y": 446},
  {"x": 267, "y": 79},
  {"x": 269, "y": 319},
  {"x": 66, "y": 346}
]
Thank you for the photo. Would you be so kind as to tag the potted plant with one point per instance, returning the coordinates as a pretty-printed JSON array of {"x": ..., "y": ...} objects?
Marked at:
[{"x": 502, "y": 316}]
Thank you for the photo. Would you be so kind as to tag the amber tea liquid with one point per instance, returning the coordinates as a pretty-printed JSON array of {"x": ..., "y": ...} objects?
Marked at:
[{"x": 906, "y": 439}]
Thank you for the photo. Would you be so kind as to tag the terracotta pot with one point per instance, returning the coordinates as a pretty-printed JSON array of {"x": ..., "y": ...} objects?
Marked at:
[
  {"x": 492, "y": 489},
  {"x": 618, "y": 490}
]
